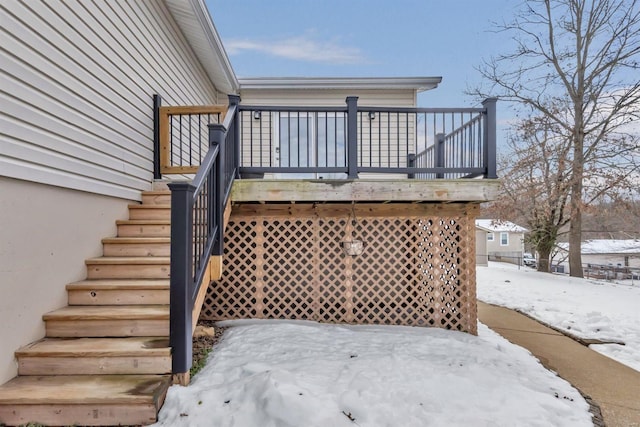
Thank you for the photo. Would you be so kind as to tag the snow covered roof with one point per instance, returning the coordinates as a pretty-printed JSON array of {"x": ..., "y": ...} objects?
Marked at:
[
  {"x": 607, "y": 246},
  {"x": 492, "y": 225}
]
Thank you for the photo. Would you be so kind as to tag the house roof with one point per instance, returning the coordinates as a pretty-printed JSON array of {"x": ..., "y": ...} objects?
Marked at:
[
  {"x": 606, "y": 246},
  {"x": 496, "y": 225},
  {"x": 195, "y": 23},
  {"x": 419, "y": 84}
]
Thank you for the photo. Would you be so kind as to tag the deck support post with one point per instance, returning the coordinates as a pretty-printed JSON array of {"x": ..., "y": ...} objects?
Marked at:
[
  {"x": 181, "y": 277},
  {"x": 235, "y": 100},
  {"x": 157, "y": 103},
  {"x": 411, "y": 163},
  {"x": 217, "y": 137},
  {"x": 440, "y": 154},
  {"x": 490, "y": 138},
  {"x": 352, "y": 137}
]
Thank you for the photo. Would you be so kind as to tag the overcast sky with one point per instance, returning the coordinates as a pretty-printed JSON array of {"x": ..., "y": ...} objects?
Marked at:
[{"x": 365, "y": 38}]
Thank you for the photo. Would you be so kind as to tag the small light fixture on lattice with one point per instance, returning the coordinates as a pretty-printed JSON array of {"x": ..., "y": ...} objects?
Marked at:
[{"x": 350, "y": 245}]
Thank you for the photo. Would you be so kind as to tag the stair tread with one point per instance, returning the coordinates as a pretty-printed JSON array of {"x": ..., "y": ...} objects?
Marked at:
[
  {"x": 116, "y": 260},
  {"x": 136, "y": 240},
  {"x": 150, "y": 206},
  {"x": 84, "y": 389},
  {"x": 97, "y": 347},
  {"x": 110, "y": 312},
  {"x": 156, "y": 192},
  {"x": 119, "y": 284},
  {"x": 143, "y": 221}
]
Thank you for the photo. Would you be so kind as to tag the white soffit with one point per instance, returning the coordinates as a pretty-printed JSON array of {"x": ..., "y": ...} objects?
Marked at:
[
  {"x": 419, "y": 84},
  {"x": 192, "y": 16}
]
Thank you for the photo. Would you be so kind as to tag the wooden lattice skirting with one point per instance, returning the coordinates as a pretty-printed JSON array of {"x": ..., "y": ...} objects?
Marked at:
[{"x": 286, "y": 262}]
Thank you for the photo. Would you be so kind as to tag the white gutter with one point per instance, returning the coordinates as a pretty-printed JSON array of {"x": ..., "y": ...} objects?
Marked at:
[{"x": 419, "y": 84}]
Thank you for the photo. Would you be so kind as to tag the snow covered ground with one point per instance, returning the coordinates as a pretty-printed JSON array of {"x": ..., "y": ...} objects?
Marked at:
[
  {"x": 585, "y": 307},
  {"x": 305, "y": 374}
]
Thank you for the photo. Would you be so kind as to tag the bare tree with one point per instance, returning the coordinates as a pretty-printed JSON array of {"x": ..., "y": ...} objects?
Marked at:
[
  {"x": 582, "y": 53},
  {"x": 537, "y": 182},
  {"x": 535, "y": 189}
]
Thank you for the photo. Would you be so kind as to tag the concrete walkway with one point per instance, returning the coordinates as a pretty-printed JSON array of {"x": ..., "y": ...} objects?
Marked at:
[{"x": 614, "y": 386}]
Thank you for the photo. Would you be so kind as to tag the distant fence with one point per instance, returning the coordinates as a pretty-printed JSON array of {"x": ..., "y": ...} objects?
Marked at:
[
  {"x": 519, "y": 261},
  {"x": 611, "y": 272}
]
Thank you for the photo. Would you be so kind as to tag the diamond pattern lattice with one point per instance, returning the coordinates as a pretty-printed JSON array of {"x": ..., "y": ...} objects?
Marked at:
[{"x": 418, "y": 266}]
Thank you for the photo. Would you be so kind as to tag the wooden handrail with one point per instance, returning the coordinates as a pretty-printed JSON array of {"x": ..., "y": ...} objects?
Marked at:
[{"x": 165, "y": 113}]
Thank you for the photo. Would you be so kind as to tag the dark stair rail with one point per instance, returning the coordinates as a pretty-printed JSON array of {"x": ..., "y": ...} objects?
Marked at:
[{"x": 197, "y": 231}]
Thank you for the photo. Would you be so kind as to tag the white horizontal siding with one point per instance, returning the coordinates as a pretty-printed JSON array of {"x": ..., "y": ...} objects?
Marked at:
[
  {"x": 385, "y": 127},
  {"x": 76, "y": 89},
  {"x": 329, "y": 97}
]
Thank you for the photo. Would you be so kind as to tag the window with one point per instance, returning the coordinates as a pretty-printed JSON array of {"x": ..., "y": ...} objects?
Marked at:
[
  {"x": 504, "y": 239},
  {"x": 490, "y": 237}
]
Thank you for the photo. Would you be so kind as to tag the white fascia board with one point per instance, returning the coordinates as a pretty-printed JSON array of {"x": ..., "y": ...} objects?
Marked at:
[
  {"x": 419, "y": 84},
  {"x": 194, "y": 20}
]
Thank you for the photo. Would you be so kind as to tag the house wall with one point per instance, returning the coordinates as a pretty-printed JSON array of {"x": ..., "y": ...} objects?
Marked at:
[
  {"x": 77, "y": 139},
  {"x": 77, "y": 91},
  {"x": 41, "y": 249},
  {"x": 481, "y": 248},
  {"x": 329, "y": 97},
  {"x": 515, "y": 246},
  {"x": 392, "y": 148}
]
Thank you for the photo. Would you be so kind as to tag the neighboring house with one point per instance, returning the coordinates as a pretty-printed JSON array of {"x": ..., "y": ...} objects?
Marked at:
[
  {"x": 504, "y": 240},
  {"x": 482, "y": 253},
  {"x": 605, "y": 253},
  {"x": 85, "y": 139}
]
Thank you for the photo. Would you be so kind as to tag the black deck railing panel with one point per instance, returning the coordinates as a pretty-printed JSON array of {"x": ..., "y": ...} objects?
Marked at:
[
  {"x": 197, "y": 223},
  {"x": 334, "y": 142}
]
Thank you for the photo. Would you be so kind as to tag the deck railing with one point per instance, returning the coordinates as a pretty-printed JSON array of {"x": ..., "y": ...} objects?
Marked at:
[
  {"x": 182, "y": 136},
  {"x": 345, "y": 142},
  {"x": 197, "y": 222}
]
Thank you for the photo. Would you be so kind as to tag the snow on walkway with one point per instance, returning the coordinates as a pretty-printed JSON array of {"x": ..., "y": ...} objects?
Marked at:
[
  {"x": 305, "y": 374},
  {"x": 584, "y": 307}
]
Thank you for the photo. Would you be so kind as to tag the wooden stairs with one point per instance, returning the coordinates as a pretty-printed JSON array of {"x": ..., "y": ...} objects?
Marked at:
[{"x": 105, "y": 359}]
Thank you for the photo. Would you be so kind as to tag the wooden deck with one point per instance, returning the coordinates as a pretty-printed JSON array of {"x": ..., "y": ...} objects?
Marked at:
[{"x": 364, "y": 190}]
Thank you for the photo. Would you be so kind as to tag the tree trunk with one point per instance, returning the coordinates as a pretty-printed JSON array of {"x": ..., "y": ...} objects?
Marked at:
[
  {"x": 544, "y": 261},
  {"x": 544, "y": 247},
  {"x": 575, "y": 225},
  {"x": 575, "y": 241}
]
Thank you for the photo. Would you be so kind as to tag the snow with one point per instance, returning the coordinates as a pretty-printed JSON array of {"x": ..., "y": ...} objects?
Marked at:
[
  {"x": 299, "y": 373},
  {"x": 606, "y": 246},
  {"x": 499, "y": 225},
  {"x": 584, "y": 307}
]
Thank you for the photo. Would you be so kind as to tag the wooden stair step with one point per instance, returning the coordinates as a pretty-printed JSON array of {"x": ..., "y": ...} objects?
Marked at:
[
  {"x": 83, "y": 399},
  {"x": 156, "y": 197},
  {"x": 119, "y": 292},
  {"x": 128, "y": 268},
  {"x": 95, "y": 356},
  {"x": 108, "y": 321},
  {"x": 144, "y": 228},
  {"x": 136, "y": 246},
  {"x": 149, "y": 211}
]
